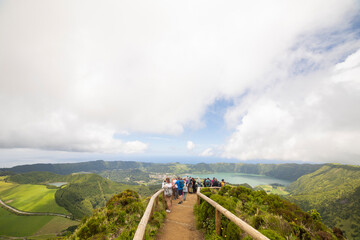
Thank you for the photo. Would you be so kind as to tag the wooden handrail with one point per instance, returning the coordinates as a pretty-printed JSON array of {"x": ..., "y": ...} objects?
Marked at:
[
  {"x": 140, "y": 231},
  {"x": 221, "y": 210}
]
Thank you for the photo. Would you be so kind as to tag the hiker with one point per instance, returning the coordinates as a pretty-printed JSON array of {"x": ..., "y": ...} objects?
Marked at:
[
  {"x": 215, "y": 183},
  {"x": 194, "y": 185},
  {"x": 167, "y": 186},
  {"x": 222, "y": 183},
  {"x": 180, "y": 186},
  {"x": 207, "y": 182},
  {"x": 175, "y": 189},
  {"x": 198, "y": 182},
  {"x": 190, "y": 186},
  {"x": 186, "y": 189}
]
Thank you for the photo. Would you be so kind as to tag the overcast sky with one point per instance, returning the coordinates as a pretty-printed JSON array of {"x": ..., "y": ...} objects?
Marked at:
[{"x": 246, "y": 80}]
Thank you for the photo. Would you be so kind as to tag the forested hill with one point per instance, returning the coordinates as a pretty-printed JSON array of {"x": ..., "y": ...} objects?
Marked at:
[
  {"x": 289, "y": 172},
  {"x": 334, "y": 190}
]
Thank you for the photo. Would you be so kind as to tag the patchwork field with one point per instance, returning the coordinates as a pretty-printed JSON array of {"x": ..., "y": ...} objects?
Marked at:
[
  {"x": 31, "y": 198},
  {"x": 20, "y": 226}
]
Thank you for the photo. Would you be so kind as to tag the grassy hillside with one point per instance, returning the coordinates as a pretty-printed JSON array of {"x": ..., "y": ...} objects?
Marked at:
[
  {"x": 334, "y": 190},
  {"x": 32, "y": 198},
  {"x": 269, "y": 214},
  {"x": 29, "y": 197}
]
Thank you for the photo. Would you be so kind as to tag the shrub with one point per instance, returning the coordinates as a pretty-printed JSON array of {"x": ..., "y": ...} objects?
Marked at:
[{"x": 271, "y": 234}]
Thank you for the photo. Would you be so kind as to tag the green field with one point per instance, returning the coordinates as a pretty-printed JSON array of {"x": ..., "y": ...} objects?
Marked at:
[
  {"x": 31, "y": 198},
  {"x": 278, "y": 190},
  {"x": 55, "y": 225},
  {"x": 20, "y": 226}
]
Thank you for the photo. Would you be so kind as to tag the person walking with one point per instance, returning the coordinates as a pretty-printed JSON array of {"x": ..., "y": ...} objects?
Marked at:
[
  {"x": 180, "y": 186},
  {"x": 167, "y": 186}
]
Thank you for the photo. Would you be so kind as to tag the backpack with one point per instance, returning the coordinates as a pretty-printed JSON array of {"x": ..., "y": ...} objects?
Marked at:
[
  {"x": 207, "y": 183},
  {"x": 181, "y": 184},
  {"x": 167, "y": 191}
]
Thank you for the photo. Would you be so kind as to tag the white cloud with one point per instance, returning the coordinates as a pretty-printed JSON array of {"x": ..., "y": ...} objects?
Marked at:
[
  {"x": 207, "y": 153},
  {"x": 75, "y": 73},
  {"x": 190, "y": 145},
  {"x": 311, "y": 118}
]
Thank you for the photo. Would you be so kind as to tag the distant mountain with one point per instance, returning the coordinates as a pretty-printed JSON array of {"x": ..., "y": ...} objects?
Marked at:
[
  {"x": 68, "y": 168},
  {"x": 334, "y": 191},
  {"x": 288, "y": 171}
]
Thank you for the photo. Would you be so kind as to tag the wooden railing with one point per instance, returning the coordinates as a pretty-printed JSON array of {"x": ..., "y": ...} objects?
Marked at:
[
  {"x": 140, "y": 231},
  {"x": 221, "y": 210}
]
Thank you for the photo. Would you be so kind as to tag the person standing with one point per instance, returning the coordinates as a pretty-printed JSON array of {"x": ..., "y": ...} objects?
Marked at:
[
  {"x": 167, "y": 186},
  {"x": 222, "y": 183},
  {"x": 180, "y": 186},
  {"x": 186, "y": 189},
  {"x": 190, "y": 185},
  {"x": 194, "y": 185},
  {"x": 175, "y": 189}
]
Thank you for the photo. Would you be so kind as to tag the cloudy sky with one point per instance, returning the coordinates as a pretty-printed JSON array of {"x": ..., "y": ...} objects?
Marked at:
[{"x": 240, "y": 80}]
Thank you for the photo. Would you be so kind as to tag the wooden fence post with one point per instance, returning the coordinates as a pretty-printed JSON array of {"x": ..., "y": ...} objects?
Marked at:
[
  {"x": 163, "y": 200},
  {"x": 217, "y": 222},
  {"x": 157, "y": 202},
  {"x": 198, "y": 200}
]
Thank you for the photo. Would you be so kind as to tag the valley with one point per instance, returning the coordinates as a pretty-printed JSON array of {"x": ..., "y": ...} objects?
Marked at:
[{"x": 333, "y": 190}]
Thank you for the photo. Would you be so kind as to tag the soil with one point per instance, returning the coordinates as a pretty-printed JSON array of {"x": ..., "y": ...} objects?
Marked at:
[{"x": 180, "y": 222}]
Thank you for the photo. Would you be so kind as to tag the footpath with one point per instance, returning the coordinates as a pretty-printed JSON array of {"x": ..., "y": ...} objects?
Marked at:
[{"x": 180, "y": 222}]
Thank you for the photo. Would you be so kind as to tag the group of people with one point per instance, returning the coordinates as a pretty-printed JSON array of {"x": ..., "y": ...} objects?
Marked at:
[{"x": 178, "y": 188}]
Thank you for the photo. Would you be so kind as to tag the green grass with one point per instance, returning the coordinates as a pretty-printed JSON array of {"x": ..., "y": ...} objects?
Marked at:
[
  {"x": 20, "y": 226},
  {"x": 4, "y": 185},
  {"x": 31, "y": 198},
  {"x": 274, "y": 190},
  {"x": 55, "y": 225}
]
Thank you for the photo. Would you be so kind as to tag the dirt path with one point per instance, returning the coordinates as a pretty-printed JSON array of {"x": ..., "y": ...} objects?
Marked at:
[{"x": 180, "y": 223}]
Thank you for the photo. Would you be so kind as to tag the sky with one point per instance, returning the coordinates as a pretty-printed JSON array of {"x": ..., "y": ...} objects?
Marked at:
[{"x": 268, "y": 81}]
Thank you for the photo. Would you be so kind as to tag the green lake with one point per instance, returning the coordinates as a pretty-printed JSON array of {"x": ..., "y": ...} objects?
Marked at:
[{"x": 239, "y": 178}]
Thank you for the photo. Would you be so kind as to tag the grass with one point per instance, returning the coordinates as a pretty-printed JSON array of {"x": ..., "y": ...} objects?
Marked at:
[
  {"x": 5, "y": 186},
  {"x": 31, "y": 198},
  {"x": 20, "y": 226},
  {"x": 274, "y": 190},
  {"x": 55, "y": 225}
]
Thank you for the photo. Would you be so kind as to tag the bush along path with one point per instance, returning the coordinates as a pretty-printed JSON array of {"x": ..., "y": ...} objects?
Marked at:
[
  {"x": 180, "y": 222},
  {"x": 119, "y": 219},
  {"x": 19, "y": 212},
  {"x": 269, "y": 214}
]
